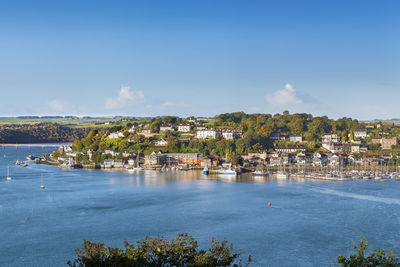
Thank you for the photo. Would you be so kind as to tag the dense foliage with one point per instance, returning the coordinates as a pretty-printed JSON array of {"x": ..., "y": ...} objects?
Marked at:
[
  {"x": 40, "y": 133},
  {"x": 183, "y": 250},
  {"x": 256, "y": 129},
  {"x": 378, "y": 257}
]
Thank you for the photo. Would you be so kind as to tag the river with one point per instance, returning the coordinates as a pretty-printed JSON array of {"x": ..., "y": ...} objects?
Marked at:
[{"x": 308, "y": 224}]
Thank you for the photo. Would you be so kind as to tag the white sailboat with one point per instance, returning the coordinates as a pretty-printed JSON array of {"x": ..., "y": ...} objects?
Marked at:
[
  {"x": 41, "y": 182},
  {"x": 8, "y": 173}
]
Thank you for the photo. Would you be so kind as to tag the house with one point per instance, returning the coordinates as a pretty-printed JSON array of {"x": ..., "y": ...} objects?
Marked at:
[
  {"x": 132, "y": 129},
  {"x": 111, "y": 152},
  {"x": 184, "y": 128},
  {"x": 231, "y": 134},
  {"x": 290, "y": 149},
  {"x": 276, "y": 136},
  {"x": 73, "y": 154},
  {"x": 355, "y": 148},
  {"x": 158, "y": 158},
  {"x": 295, "y": 138},
  {"x": 208, "y": 133},
  {"x": 385, "y": 142},
  {"x": 192, "y": 120},
  {"x": 155, "y": 158},
  {"x": 119, "y": 163},
  {"x": 201, "y": 128},
  {"x": 275, "y": 160},
  {"x": 146, "y": 131},
  {"x": 63, "y": 149},
  {"x": 127, "y": 154},
  {"x": 319, "y": 160},
  {"x": 161, "y": 142},
  {"x": 328, "y": 138},
  {"x": 108, "y": 163},
  {"x": 131, "y": 162},
  {"x": 164, "y": 128},
  {"x": 184, "y": 158},
  {"x": 115, "y": 135},
  {"x": 333, "y": 160},
  {"x": 388, "y": 142},
  {"x": 360, "y": 134}
]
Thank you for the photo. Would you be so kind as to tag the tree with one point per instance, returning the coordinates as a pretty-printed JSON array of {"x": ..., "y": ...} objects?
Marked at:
[
  {"x": 182, "y": 251},
  {"x": 377, "y": 257}
]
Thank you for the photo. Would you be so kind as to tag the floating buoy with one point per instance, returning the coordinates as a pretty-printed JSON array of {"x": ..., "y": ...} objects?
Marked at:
[{"x": 269, "y": 204}]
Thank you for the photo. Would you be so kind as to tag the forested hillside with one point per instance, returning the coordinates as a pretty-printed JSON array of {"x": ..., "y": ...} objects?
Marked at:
[{"x": 40, "y": 133}]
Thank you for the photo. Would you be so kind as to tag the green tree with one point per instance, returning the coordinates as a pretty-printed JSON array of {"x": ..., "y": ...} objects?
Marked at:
[
  {"x": 377, "y": 257},
  {"x": 182, "y": 251}
]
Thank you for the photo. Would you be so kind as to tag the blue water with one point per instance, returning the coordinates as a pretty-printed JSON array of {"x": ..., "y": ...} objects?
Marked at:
[{"x": 308, "y": 224}]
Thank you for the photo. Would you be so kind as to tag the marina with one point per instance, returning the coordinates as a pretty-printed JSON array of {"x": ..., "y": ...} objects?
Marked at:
[{"x": 290, "y": 218}]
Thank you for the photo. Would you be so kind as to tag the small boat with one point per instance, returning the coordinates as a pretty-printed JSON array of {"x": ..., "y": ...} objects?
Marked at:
[
  {"x": 397, "y": 179},
  {"x": 8, "y": 174},
  {"x": 17, "y": 162},
  {"x": 261, "y": 173},
  {"x": 227, "y": 172},
  {"x": 24, "y": 164},
  {"x": 282, "y": 175},
  {"x": 41, "y": 182},
  {"x": 383, "y": 180},
  {"x": 206, "y": 171}
]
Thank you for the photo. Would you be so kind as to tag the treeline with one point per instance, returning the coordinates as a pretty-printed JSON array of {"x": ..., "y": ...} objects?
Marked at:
[{"x": 40, "y": 133}]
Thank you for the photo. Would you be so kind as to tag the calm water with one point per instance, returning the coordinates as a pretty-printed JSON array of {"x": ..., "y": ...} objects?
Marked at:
[{"x": 309, "y": 223}]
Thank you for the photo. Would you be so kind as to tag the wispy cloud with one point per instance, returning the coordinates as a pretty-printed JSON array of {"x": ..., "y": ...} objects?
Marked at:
[
  {"x": 284, "y": 98},
  {"x": 126, "y": 97},
  {"x": 58, "y": 105}
]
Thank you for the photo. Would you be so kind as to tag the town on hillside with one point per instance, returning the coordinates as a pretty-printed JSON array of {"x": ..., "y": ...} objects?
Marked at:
[{"x": 258, "y": 141}]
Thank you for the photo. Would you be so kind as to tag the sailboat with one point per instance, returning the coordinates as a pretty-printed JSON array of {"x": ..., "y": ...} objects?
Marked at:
[
  {"x": 137, "y": 168},
  {"x": 41, "y": 182},
  {"x": 8, "y": 173}
]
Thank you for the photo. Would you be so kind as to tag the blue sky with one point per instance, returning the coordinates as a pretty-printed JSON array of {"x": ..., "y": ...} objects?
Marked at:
[{"x": 147, "y": 58}]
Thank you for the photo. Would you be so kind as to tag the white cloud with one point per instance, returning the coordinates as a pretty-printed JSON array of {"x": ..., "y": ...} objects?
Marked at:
[
  {"x": 126, "y": 97},
  {"x": 286, "y": 97},
  {"x": 58, "y": 105}
]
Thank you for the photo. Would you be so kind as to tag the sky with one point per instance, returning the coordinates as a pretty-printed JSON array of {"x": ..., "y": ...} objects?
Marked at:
[{"x": 339, "y": 58}]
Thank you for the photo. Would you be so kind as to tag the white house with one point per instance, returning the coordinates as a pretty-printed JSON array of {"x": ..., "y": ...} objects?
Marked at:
[
  {"x": 111, "y": 152},
  {"x": 161, "y": 142},
  {"x": 164, "y": 128},
  {"x": 132, "y": 129},
  {"x": 203, "y": 134},
  {"x": 115, "y": 135},
  {"x": 231, "y": 134},
  {"x": 327, "y": 138},
  {"x": 360, "y": 134},
  {"x": 184, "y": 128}
]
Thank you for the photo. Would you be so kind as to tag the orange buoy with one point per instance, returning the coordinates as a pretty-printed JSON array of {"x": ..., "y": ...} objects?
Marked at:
[{"x": 269, "y": 204}]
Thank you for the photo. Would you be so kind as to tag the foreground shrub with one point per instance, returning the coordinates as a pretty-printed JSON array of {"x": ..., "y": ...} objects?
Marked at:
[
  {"x": 182, "y": 251},
  {"x": 377, "y": 257}
]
